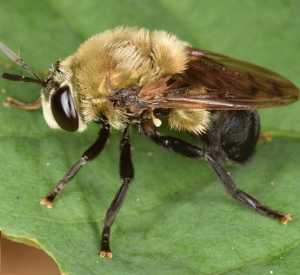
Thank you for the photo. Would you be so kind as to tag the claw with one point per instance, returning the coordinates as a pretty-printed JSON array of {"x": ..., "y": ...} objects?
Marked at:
[
  {"x": 286, "y": 218},
  {"x": 106, "y": 254},
  {"x": 46, "y": 202}
]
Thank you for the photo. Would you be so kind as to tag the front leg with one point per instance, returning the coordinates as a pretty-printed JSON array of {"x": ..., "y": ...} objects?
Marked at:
[
  {"x": 12, "y": 102},
  {"x": 126, "y": 175},
  {"x": 147, "y": 128},
  {"x": 88, "y": 155}
]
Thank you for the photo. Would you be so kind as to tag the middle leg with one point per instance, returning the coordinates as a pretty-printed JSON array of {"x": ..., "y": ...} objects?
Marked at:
[{"x": 127, "y": 174}]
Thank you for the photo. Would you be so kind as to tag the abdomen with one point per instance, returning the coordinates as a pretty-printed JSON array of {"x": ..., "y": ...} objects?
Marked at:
[{"x": 231, "y": 135}]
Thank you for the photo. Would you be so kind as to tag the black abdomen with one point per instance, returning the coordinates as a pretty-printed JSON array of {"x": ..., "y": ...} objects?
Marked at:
[{"x": 232, "y": 135}]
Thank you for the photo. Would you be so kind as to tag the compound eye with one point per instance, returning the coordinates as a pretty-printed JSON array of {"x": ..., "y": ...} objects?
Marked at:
[{"x": 63, "y": 109}]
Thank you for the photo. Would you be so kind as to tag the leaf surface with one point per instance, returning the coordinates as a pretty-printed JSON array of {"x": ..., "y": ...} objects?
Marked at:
[{"x": 177, "y": 218}]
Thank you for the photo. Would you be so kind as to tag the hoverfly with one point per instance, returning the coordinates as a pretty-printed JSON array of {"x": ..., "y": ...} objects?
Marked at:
[{"x": 131, "y": 76}]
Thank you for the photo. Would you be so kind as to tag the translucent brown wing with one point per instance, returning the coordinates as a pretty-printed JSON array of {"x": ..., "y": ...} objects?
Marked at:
[{"x": 214, "y": 81}]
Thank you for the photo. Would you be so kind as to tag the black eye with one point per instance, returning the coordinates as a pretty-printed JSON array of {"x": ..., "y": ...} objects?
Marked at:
[{"x": 63, "y": 109}]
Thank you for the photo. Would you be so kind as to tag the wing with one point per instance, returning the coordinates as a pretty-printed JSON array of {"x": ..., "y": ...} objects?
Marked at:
[{"x": 214, "y": 81}]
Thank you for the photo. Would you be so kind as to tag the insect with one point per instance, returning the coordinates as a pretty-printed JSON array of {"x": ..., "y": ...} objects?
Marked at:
[{"x": 133, "y": 77}]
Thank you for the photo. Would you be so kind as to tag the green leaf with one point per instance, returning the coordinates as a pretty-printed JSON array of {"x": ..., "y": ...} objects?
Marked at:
[{"x": 177, "y": 218}]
